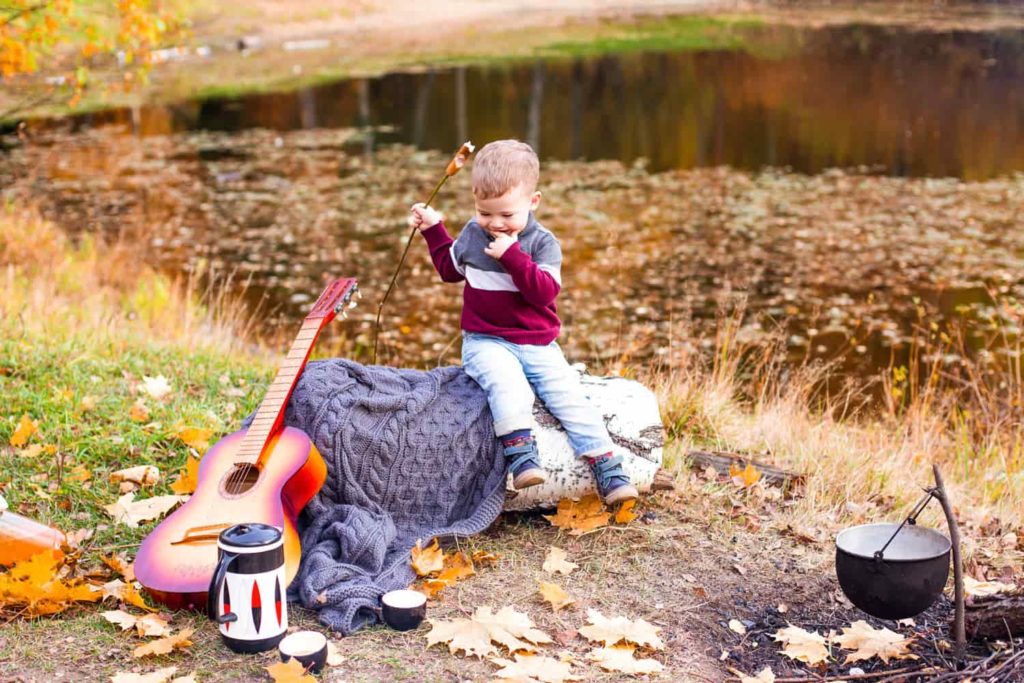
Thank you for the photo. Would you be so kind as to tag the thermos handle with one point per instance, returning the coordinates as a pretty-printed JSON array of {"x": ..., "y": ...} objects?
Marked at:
[{"x": 215, "y": 583}]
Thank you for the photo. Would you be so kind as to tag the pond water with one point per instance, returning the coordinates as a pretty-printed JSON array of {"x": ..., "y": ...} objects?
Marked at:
[{"x": 288, "y": 189}]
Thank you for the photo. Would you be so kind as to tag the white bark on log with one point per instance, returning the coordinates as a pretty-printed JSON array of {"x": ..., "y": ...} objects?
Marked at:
[{"x": 631, "y": 414}]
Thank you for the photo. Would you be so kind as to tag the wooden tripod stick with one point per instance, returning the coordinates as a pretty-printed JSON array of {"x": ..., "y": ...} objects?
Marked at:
[
  {"x": 959, "y": 632},
  {"x": 454, "y": 166}
]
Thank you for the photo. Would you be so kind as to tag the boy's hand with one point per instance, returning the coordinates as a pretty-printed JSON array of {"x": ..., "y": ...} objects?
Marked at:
[
  {"x": 499, "y": 246},
  {"x": 423, "y": 217}
]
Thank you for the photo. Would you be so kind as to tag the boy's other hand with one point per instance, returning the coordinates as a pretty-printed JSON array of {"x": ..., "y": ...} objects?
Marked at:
[
  {"x": 422, "y": 217},
  {"x": 499, "y": 246}
]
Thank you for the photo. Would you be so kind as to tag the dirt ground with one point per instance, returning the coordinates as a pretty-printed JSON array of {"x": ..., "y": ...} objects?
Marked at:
[{"x": 685, "y": 566}]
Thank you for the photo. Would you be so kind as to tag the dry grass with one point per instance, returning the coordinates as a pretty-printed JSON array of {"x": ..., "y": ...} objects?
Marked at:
[
  {"x": 862, "y": 464},
  {"x": 49, "y": 286}
]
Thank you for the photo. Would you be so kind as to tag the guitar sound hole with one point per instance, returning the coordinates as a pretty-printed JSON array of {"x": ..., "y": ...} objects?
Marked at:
[{"x": 242, "y": 478}]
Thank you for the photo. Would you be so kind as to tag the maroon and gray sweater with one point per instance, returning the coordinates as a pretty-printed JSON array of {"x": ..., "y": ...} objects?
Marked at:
[{"x": 512, "y": 297}]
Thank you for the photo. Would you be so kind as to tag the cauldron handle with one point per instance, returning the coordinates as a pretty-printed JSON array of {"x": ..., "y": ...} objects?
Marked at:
[{"x": 911, "y": 520}]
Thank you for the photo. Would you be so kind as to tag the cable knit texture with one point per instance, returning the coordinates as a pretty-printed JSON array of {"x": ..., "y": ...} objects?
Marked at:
[{"x": 410, "y": 454}]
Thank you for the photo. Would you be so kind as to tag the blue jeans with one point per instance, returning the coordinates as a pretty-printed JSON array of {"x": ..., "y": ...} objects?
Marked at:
[{"x": 510, "y": 373}]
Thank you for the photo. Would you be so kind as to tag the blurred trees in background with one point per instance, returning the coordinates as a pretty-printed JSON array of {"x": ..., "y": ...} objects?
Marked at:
[{"x": 53, "y": 50}]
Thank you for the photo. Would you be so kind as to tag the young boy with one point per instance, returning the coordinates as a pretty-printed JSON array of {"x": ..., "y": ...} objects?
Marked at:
[{"x": 512, "y": 268}]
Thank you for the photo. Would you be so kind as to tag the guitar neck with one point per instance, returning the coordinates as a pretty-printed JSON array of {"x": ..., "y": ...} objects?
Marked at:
[{"x": 270, "y": 415}]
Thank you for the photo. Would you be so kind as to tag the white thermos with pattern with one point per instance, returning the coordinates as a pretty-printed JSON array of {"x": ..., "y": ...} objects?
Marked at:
[{"x": 247, "y": 591}]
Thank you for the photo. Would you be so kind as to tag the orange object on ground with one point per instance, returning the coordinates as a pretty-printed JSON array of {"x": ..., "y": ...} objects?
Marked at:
[{"x": 21, "y": 537}]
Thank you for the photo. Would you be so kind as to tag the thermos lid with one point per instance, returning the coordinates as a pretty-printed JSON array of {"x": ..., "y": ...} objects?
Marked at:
[{"x": 250, "y": 535}]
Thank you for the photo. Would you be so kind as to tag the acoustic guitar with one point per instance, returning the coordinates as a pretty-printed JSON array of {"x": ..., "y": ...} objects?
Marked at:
[{"x": 266, "y": 473}]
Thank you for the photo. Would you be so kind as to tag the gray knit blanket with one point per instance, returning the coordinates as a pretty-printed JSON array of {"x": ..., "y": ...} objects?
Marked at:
[{"x": 410, "y": 455}]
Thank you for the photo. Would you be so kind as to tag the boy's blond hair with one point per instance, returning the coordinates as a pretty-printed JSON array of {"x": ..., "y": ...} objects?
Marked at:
[{"x": 501, "y": 165}]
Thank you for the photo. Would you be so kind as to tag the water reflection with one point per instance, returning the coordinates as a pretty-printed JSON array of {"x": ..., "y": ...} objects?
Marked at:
[
  {"x": 291, "y": 188},
  {"x": 908, "y": 102}
]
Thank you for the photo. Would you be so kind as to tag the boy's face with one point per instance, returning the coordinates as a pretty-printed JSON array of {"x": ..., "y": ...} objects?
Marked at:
[{"x": 507, "y": 214}]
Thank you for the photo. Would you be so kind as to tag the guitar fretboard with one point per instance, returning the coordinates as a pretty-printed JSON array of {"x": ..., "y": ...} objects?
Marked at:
[{"x": 271, "y": 411}]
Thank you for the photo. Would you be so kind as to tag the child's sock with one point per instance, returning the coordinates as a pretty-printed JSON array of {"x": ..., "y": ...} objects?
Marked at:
[{"x": 516, "y": 438}]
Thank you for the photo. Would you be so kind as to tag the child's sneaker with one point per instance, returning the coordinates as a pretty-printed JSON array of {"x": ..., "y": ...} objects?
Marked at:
[
  {"x": 522, "y": 457},
  {"x": 612, "y": 483}
]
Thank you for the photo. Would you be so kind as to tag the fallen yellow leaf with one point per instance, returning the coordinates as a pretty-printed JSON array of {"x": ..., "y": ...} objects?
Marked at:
[
  {"x": 139, "y": 411},
  {"x": 509, "y": 628},
  {"x": 535, "y": 668},
  {"x": 579, "y": 517},
  {"x": 612, "y": 631},
  {"x": 620, "y": 658},
  {"x": 195, "y": 437},
  {"x": 625, "y": 515},
  {"x": 555, "y": 595},
  {"x": 26, "y": 428},
  {"x": 164, "y": 646},
  {"x": 555, "y": 562},
  {"x": 871, "y": 642},
  {"x": 746, "y": 477},
  {"x": 188, "y": 477},
  {"x": 801, "y": 645},
  {"x": 979, "y": 589},
  {"x": 765, "y": 675},
  {"x": 158, "y": 676},
  {"x": 128, "y": 511},
  {"x": 143, "y": 475},
  {"x": 35, "y": 585},
  {"x": 426, "y": 560},
  {"x": 289, "y": 672}
]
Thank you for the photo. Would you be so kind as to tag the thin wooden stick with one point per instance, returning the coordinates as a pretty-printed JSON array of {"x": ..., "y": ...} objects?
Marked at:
[
  {"x": 454, "y": 166},
  {"x": 959, "y": 632}
]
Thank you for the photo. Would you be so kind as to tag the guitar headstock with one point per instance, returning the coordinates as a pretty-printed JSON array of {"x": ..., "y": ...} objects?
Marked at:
[{"x": 336, "y": 298}]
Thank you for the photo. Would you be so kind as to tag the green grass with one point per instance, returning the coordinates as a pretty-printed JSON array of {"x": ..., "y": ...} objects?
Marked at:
[{"x": 48, "y": 379}]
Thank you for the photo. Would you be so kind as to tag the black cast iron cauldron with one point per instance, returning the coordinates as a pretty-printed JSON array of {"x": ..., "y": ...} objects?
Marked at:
[{"x": 904, "y": 581}]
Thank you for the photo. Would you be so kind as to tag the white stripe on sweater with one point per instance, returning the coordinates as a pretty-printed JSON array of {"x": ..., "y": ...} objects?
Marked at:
[{"x": 488, "y": 281}]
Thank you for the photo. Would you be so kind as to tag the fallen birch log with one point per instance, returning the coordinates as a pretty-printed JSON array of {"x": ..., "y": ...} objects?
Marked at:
[
  {"x": 631, "y": 414},
  {"x": 721, "y": 461}
]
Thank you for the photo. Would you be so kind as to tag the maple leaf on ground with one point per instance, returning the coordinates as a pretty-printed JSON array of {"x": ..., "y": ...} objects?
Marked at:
[
  {"x": 291, "y": 671},
  {"x": 979, "y": 589},
  {"x": 765, "y": 675},
  {"x": 482, "y": 558},
  {"x": 194, "y": 437},
  {"x": 746, "y": 477},
  {"x": 620, "y": 658},
  {"x": 625, "y": 515},
  {"x": 509, "y": 628},
  {"x": 36, "y": 586},
  {"x": 139, "y": 411},
  {"x": 158, "y": 676},
  {"x": 157, "y": 387},
  {"x": 427, "y": 560},
  {"x": 149, "y": 625},
  {"x": 26, "y": 428},
  {"x": 164, "y": 646},
  {"x": 128, "y": 511},
  {"x": 801, "y": 645},
  {"x": 579, "y": 517},
  {"x": 555, "y": 562},
  {"x": 456, "y": 566},
  {"x": 188, "y": 477},
  {"x": 535, "y": 668},
  {"x": 611, "y": 631},
  {"x": 334, "y": 656},
  {"x": 554, "y": 594},
  {"x": 871, "y": 642},
  {"x": 143, "y": 475},
  {"x": 120, "y": 565}
]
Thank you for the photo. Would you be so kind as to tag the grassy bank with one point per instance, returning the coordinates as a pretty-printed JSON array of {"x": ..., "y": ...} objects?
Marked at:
[{"x": 81, "y": 325}]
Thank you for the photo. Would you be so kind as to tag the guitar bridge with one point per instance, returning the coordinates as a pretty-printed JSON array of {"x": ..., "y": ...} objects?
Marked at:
[{"x": 208, "y": 533}]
